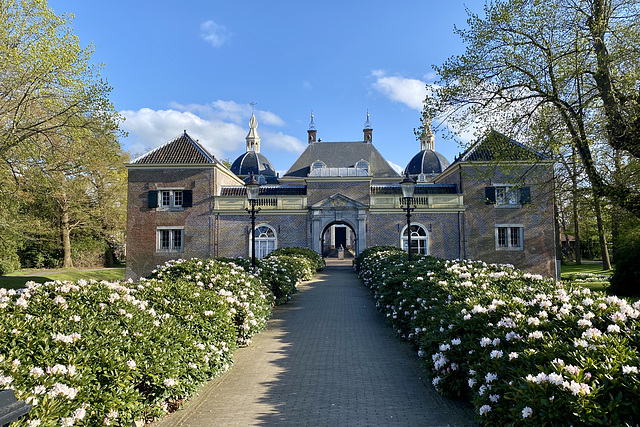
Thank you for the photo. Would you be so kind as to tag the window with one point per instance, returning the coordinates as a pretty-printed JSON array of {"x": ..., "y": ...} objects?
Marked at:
[
  {"x": 509, "y": 237},
  {"x": 419, "y": 239},
  {"x": 170, "y": 199},
  {"x": 507, "y": 195},
  {"x": 364, "y": 165},
  {"x": 265, "y": 240},
  {"x": 317, "y": 165},
  {"x": 170, "y": 239}
]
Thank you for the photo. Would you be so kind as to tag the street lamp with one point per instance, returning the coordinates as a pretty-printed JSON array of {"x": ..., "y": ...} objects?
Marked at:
[
  {"x": 253, "y": 188},
  {"x": 408, "y": 186}
]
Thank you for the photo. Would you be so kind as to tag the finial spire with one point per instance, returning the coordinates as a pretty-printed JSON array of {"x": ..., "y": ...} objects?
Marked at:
[
  {"x": 312, "y": 125},
  {"x": 427, "y": 139},
  {"x": 253, "y": 140},
  {"x": 367, "y": 124}
]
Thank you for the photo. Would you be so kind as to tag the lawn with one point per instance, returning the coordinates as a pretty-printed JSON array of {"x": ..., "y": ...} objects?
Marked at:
[
  {"x": 18, "y": 280},
  {"x": 568, "y": 268}
]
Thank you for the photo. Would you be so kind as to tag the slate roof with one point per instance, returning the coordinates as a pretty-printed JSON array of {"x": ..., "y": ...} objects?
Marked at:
[
  {"x": 252, "y": 162},
  {"x": 287, "y": 190},
  {"x": 181, "y": 150},
  {"x": 341, "y": 155},
  {"x": 420, "y": 189},
  {"x": 426, "y": 162},
  {"x": 498, "y": 147}
]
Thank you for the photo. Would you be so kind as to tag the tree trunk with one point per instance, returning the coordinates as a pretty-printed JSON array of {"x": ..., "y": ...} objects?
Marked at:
[
  {"x": 606, "y": 263},
  {"x": 574, "y": 205},
  {"x": 65, "y": 231}
]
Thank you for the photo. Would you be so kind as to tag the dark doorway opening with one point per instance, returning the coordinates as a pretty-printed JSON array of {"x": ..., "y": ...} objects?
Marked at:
[{"x": 338, "y": 236}]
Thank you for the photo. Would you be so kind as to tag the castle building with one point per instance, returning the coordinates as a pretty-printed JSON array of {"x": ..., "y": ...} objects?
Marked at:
[{"x": 493, "y": 203}]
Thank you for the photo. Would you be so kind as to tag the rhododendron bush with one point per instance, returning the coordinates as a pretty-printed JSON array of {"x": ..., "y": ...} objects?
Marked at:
[
  {"x": 523, "y": 348},
  {"x": 90, "y": 353}
]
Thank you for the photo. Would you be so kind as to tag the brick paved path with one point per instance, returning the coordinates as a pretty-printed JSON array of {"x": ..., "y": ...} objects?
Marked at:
[{"x": 327, "y": 358}]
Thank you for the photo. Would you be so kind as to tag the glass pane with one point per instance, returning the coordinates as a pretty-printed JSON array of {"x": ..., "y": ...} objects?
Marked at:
[
  {"x": 164, "y": 239},
  {"x": 166, "y": 198},
  {"x": 177, "y": 239},
  {"x": 177, "y": 198},
  {"x": 515, "y": 237},
  {"x": 502, "y": 237}
]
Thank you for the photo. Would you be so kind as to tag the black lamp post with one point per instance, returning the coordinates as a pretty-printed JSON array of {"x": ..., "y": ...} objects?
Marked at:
[
  {"x": 253, "y": 188},
  {"x": 408, "y": 186}
]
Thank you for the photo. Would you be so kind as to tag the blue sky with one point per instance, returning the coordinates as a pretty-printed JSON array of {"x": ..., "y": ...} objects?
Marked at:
[{"x": 197, "y": 65}]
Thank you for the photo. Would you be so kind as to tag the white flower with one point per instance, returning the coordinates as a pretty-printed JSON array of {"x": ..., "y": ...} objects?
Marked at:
[
  {"x": 613, "y": 328},
  {"x": 5, "y": 380},
  {"x": 471, "y": 382},
  {"x": 526, "y": 412},
  {"x": 435, "y": 381},
  {"x": 535, "y": 335},
  {"x": 170, "y": 382},
  {"x": 485, "y": 342},
  {"x": 33, "y": 423},
  {"x": 494, "y": 397},
  {"x": 630, "y": 369},
  {"x": 513, "y": 355},
  {"x": 131, "y": 364},
  {"x": 490, "y": 377},
  {"x": 484, "y": 409},
  {"x": 496, "y": 354},
  {"x": 36, "y": 372}
]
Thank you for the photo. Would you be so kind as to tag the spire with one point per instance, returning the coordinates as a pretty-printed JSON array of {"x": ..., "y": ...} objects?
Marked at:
[
  {"x": 253, "y": 140},
  {"x": 427, "y": 139},
  {"x": 368, "y": 130},
  {"x": 312, "y": 132}
]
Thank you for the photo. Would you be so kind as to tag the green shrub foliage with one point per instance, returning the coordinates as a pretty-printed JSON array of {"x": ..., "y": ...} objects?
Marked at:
[
  {"x": 522, "y": 348},
  {"x": 312, "y": 255},
  {"x": 90, "y": 353}
]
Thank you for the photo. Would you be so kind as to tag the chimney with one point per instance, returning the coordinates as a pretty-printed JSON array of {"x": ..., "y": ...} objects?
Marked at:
[{"x": 368, "y": 130}]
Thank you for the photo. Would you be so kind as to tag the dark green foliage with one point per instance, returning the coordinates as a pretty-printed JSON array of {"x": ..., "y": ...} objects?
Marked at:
[
  {"x": 315, "y": 257},
  {"x": 626, "y": 275}
]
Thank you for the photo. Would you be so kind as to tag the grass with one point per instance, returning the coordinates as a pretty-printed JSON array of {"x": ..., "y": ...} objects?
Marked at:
[
  {"x": 18, "y": 279},
  {"x": 568, "y": 268}
]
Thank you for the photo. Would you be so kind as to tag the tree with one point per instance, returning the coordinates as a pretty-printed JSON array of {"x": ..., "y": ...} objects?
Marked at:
[
  {"x": 60, "y": 161},
  {"x": 579, "y": 57}
]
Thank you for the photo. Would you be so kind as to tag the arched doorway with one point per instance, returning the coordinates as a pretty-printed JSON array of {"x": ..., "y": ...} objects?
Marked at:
[{"x": 336, "y": 236}]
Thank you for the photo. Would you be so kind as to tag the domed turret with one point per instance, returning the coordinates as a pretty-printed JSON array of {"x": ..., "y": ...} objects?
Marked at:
[
  {"x": 428, "y": 162},
  {"x": 253, "y": 162}
]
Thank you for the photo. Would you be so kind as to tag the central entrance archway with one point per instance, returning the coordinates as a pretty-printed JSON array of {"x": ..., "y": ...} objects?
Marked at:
[
  {"x": 336, "y": 236},
  {"x": 339, "y": 212}
]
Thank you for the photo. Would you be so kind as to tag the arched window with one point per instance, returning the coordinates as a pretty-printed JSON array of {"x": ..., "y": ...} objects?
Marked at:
[
  {"x": 318, "y": 164},
  {"x": 266, "y": 240},
  {"x": 419, "y": 239},
  {"x": 364, "y": 165}
]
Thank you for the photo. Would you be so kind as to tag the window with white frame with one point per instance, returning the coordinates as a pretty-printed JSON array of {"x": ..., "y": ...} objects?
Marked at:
[
  {"x": 419, "y": 239},
  {"x": 364, "y": 165},
  {"x": 506, "y": 196},
  {"x": 266, "y": 240},
  {"x": 171, "y": 199},
  {"x": 170, "y": 239},
  {"x": 509, "y": 237}
]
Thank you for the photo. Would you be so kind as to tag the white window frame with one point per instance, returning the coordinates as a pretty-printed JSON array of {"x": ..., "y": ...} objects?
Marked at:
[
  {"x": 362, "y": 164},
  {"x": 172, "y": 239},
  {"x": 174, "y": 199},
  {"x": 264, "y": 245},
  {"x": 506, "y": 196},
  {"x": 422, "y": 241},
  {"x": 318, "y": 164},
  {"x": 512, "y": 231}
]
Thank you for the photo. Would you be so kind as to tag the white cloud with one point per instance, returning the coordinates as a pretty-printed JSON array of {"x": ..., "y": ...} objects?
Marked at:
[
  {"x": 150, "y": 128},
  {"x": 221, "y": 127},
  {"x": 213, "y": 33},
  {"x": 280, "y": 141},
  {"x": 410, "y": 92}
]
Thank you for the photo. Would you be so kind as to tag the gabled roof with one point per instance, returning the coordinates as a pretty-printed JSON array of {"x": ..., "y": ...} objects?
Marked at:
[
  {"x": 181, "y": 150},
  {"x": 341, "y": 155},
  {"x": 498, "y": 147}
]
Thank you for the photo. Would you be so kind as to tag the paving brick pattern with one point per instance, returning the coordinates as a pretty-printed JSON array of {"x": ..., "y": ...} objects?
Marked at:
[{"x": 327, "y": 358}]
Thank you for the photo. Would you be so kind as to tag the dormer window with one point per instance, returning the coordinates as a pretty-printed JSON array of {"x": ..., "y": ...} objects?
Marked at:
[
  {"x": 364, "y": 165},
  {"x": 318, "y": 165}
]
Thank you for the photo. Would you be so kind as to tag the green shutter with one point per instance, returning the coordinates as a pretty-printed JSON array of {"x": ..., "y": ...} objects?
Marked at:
[
  {"x": 490, "y": 195},
  {"x": 153, "y": 199},
  {"x": 525, "y": 195},
  {"x": 187, "y": 198}
]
